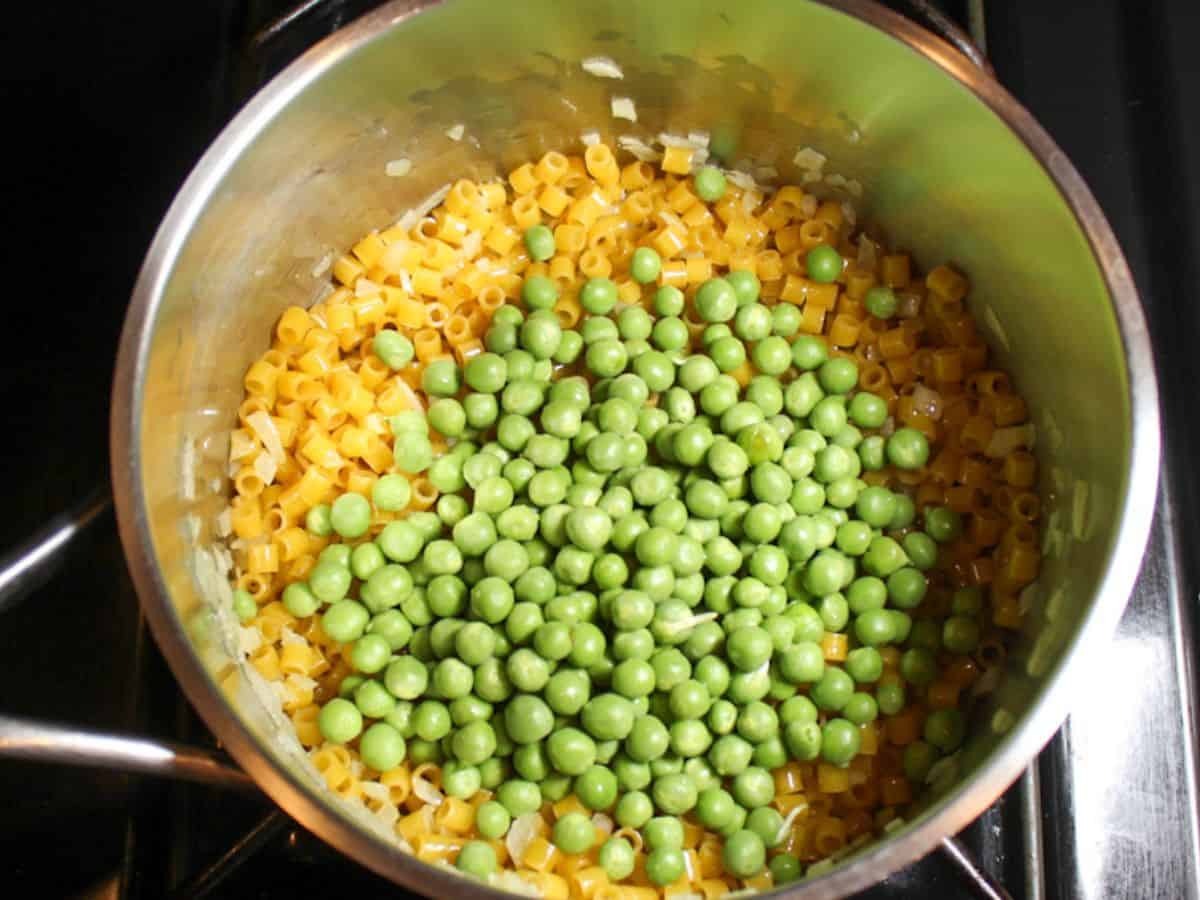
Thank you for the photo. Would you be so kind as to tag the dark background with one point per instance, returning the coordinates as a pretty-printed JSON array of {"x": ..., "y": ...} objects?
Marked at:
[{"x": 107, "y": 107}]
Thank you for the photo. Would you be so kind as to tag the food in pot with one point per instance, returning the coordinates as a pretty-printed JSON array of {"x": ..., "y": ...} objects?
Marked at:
[{"x": 629, "y": 531}]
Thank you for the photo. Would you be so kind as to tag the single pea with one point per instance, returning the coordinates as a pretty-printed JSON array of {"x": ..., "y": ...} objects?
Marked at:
[
  {"x": 668, "y": 301},
  {"x": 527, "y": 719},
  {"x": 945, "y": 729},
  {"x": 906, "y": 587},
  {"x": 574, "y": 833},
  {"x": 785, "y": 320},
  {"x": 716, "y": 300},
  {"x": 663, "y": 831},
  {"x": 746, "y": 286},
  {"x": 339, "y": 721},
  {"x": 833, "y": 689},
  {"x": 943, "y": 524},
  {"x": 809, "y": 352},
  {"x": 728, "y": 353},
  {"x": 596, "y": 788},
  {"x": 890, "y": 698},
  {"x": 785, "y": 868},
  {"x": 674, "y": 793},
  {"x": 665, "y": 865},
  {"x": 317, "y": 520},
  {"x": 393, "y": 348},
  {"x": 767, "y": 823},
  {"x": 823, "y": 264},
  {"x": 598, "y": 296},
  {"x": 880, "y": 302},
  {"x": 907, "y": 449},
  {"x": 709, "y": 183},
  {"x": 617, "y": 859},
  {"x": 492, "y": 820},
  {"x": 645, "y": 265},
  {"x": 840, "y": 742},
  {"x": 345, "y": 621},
  {"x": 350, "y": 515},
  {"x": 918, "y": 666},
  {"x": 540, "y": 335},
  {"x": 960, "y": 634},
  {"x": 744, "y": 854},
  {"x": 370, "y": 654},
  {"x": 919, "y": 758},
  {"x": 838, "y": 375},
  {"x": 539, "y": 241}
]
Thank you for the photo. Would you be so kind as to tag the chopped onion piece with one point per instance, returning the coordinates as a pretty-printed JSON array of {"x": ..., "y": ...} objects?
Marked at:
[
  {"x": 414, "y": 402},
  {"x": 322, "y": 265},
  {"x": 698, "y": 139},
  {"x": 265, "y": 467},
  {"x": 426, "y": 791},
  {"x": 590, "y": 138},
  {"x": 225, "y": 522},
  {"x": 943, "y": 770},
  {"x": 287, "y": 636},
  {"x": 639, "y": 148},
  {"x": 889, "y": 427},
  {"x": 809, "y": 159},
  {"x": 623, "y": 108},
  {"x": 928, "y": 401},
  {"x": 673, "y": 628},
  {"x": 674, "y": 140},
  {"x": 867, "y": 253},
  {"x": 418, "y": 212},
  {"x": 601, "y": 67},
  {"x": 508, "y": 880},
  {"x": 523, "y": 830},
  {"x": 993, "y": 322},
  {"x": 908, "y": 305},
  {"x": 398, "y": 168},
  {"x": 849, "y": 213},
  {"x": 603, "y": 824},
  {"x": 455, "y": 132},
  {"x": 743, "y": 180},
  {"x": 987, "y": 682},
  {"x": 1005, "y": 440},
  {"x": 364, "y": 287},
  {"x": 264, "y": 429},
  {"x": 808, "y": 206},
  {"x": 249, "y": 640},
  {"x": 786, "y": 826}
]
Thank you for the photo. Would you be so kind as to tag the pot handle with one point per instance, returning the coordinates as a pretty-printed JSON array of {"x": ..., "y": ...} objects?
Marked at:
[
  {"x": 36, "y": 741},
  {"x": 949, "y": 31},
  {"x": 29, "y": 566}
]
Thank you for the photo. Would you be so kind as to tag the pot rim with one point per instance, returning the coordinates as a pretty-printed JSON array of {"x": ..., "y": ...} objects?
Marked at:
[{"x": 955, "y": 810}]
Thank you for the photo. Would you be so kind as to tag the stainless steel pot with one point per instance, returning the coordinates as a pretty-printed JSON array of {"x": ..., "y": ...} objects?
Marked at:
[{"x": 949, "y": 162}]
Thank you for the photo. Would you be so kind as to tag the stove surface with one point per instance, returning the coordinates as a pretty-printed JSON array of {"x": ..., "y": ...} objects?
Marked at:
[{"x": 114, "y": 105}]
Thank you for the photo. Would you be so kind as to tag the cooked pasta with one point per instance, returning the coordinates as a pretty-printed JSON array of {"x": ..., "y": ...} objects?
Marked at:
[{"x": 327, "y": 415}]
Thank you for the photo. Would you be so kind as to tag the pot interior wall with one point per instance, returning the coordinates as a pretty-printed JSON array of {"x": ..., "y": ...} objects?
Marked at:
[{"x": 941, "y": 174}]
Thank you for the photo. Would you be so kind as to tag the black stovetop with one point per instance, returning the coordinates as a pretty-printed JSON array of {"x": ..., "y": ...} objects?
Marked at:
[{"x": 111, "y": 104}]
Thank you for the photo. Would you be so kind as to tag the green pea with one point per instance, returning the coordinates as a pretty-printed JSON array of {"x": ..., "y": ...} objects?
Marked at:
[
  {"x": 823, "y": 264},
  {"x": 539, "y": 241},
  {"x": 645, "y": 265},
  {"x": 744, "y": 854}
]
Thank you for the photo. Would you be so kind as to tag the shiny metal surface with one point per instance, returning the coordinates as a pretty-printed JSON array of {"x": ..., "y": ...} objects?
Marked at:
[
  {"x": 950, "y": 163},
  {"x": 1123, "y": 820},
  {"x": 984, "y": 886},
  {"x": 27, "y": 567},
  {"x": 41, "y": 742}
]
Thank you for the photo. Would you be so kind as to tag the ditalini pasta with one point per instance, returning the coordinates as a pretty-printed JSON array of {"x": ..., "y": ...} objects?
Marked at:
[{"x": 632, "y": 531}]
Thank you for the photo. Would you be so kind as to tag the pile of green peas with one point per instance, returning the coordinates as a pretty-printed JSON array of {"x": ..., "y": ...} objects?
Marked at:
[{"x": 622, "y": 590}]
